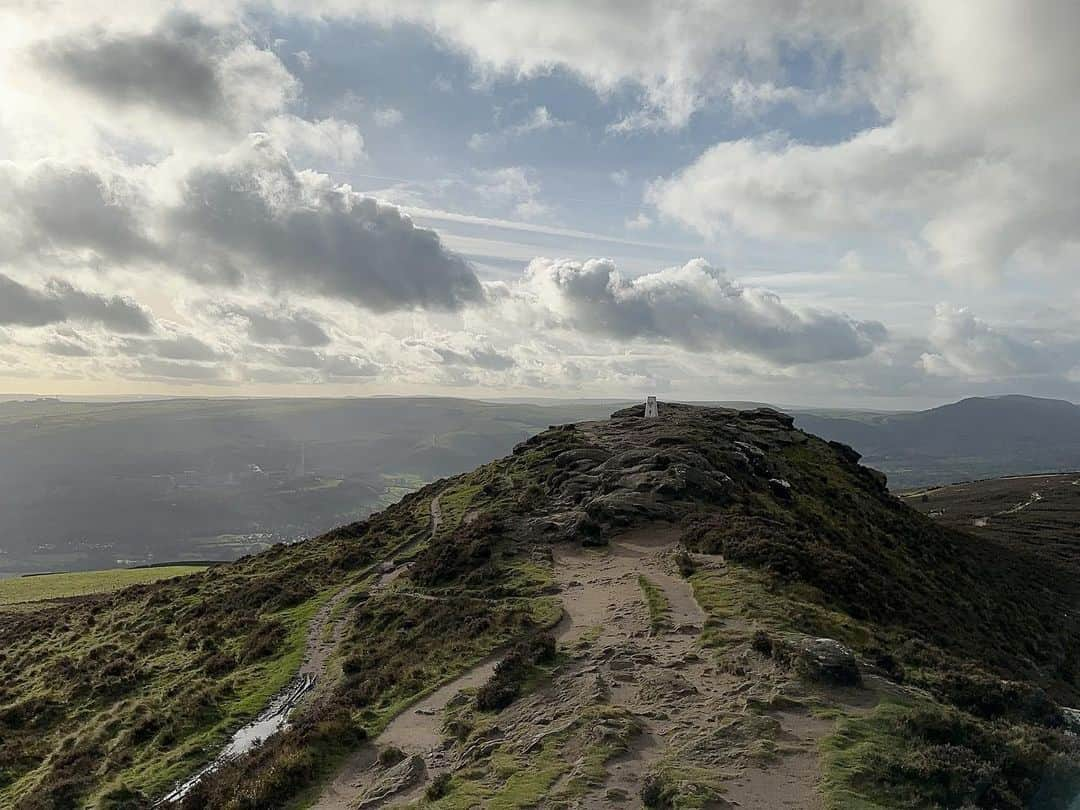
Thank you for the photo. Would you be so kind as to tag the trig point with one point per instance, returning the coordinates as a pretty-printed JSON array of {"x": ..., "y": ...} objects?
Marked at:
[{"x": 650, "y": 408}]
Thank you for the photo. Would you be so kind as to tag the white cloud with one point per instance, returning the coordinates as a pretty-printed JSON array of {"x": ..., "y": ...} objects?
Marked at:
[
  {"x": 694, "y": 306},
  {"x": 963, "y": 345},
  {"x": 513, "y": 186},
  {"x": 678, "y": 55},
  {"x": 959, "y": 163},
  {"x": 388, "y": 117},
  {"x": 327, "y": 139},
  {"x": 538, "y": 120}
]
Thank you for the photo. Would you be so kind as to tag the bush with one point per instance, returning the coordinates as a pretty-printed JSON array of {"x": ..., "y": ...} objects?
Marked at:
[
  {"x": 390, "y": 756},
  {"x": 439, "y": 787},
  {"x": 504, "y": 685}
]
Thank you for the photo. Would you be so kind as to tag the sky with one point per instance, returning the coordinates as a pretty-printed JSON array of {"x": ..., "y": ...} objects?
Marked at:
[{"x": 817, "y": 202}]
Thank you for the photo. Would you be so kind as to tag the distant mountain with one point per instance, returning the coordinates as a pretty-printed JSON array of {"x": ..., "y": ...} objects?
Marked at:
[{"x": 979, "y": 437}]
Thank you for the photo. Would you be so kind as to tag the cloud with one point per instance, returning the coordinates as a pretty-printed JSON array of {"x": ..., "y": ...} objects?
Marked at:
[
  {"x": 183, "y": 68},
  {"x": 280, "y": 326},
  {"x": 326, "y": 139},
  {"x": 478, "y": 355},
  {"x": 954, "y": 164},
  {"x": 251, "y": 215},
  {"x": 513, "y": 186},
  {"x": 694, "y": 306},
  {"x": 964, "y": 345},
  {"x": 173, "y": 371},
  {"x": 50, "y": 208},
  {"x": 388, "y": 117},
  {"x": 678, "y": 56},
  {"x": 174, "y": 347},
  {"x": 539, "y": 119},
  {"x": 59, "y": 302}
]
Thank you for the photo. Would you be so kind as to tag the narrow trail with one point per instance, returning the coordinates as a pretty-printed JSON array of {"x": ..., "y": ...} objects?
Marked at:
[
  {"x": 340, "y": 793},
  {"x": 324, "y": 635}
]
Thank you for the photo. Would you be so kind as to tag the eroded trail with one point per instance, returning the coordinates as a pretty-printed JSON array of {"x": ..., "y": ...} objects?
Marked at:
[
  {"x": 686, "y": 703},
  {"x": 635, "y": 685}
]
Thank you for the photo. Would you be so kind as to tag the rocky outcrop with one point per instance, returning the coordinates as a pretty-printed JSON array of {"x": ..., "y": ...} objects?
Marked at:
[
  {"x": 393, "y": 781},
  {"x": 608, "y": 475},
  {"x": 827, "y": 661}
]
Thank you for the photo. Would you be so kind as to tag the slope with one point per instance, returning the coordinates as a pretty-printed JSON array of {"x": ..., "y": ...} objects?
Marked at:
[{"x": 652, "y": 591}]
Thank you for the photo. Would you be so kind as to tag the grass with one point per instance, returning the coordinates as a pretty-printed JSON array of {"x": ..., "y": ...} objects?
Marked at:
[
  {"x": 81, "y": 583},
  {"x": 454, "y": 503},
  {"x": 657, "y": 603}
]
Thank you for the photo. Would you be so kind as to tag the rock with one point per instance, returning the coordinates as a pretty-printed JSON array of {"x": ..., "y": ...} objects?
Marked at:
[
  {"x": 828, "y": 661},
  {"x": 780, "y": 487},
  {"x": 568, "y": 457},
  {"x": 398, "y": 778},
  {"x": 1071, "y": 719}
]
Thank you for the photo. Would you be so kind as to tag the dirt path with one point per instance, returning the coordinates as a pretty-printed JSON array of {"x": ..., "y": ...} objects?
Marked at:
[
  {"x": 688, "y": 707},
  {"x": 416, "y": 723}
]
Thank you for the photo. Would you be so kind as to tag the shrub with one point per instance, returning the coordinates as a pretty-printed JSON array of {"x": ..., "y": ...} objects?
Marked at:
[
  {"x": 391, "y": 756},
  {"x": 439, "y": 787},
  {"x": 505, "y": 683}
]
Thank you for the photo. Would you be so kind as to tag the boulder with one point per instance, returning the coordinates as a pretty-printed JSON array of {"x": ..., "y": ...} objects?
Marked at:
[
  {"x": 393, "y": 781},
  {"x": 827, "y": 661}
]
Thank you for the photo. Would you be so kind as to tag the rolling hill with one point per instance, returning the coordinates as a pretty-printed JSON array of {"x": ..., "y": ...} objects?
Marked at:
[{"x": 980, "y": 437}]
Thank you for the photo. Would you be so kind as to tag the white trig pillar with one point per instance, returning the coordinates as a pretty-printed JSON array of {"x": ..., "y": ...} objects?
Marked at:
[{"x": 650, "y": 408}]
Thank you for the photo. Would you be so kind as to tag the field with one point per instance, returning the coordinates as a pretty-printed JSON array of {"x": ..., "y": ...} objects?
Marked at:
[
  {"x": 1040, "y": 513},
  {"x": 57, "y": 586}
]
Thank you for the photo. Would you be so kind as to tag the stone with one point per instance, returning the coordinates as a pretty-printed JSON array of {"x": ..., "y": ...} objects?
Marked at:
[
  {"x": 396, "y": 779},
  {"x": 828, "y": 661}
]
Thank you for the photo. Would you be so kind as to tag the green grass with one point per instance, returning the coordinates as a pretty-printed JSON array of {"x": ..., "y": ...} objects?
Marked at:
[
  {"x": 657, "y": 603},
  {"x": 58, "y": 586},
  {"x": 454, "y": 503}
]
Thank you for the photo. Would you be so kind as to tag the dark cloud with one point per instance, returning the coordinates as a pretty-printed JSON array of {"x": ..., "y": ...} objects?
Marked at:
[
  {"x": 173, "y": 68},
  {"x": 60, "y": 302},
  {"x": 697, "y": 307},
  {"x": 253, "y": 214},
  {"x": 56, "y": 207}
]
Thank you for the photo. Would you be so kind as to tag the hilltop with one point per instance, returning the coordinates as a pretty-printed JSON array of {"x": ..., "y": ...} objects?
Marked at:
[{"x": 651, "y": 612}]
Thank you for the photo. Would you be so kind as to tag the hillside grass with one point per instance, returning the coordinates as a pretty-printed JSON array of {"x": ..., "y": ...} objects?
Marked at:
[
  {"x": 81, "y": 583},
  {"x": 656, "y": 602}
]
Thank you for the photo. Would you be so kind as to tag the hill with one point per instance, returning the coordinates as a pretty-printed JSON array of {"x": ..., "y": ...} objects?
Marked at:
[
  {"x": 980, "y": 437},
  {"x": 89, "y": 485},
  {"x": 704, "y": 609},
  {"x": 1039, "y": 513}
]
